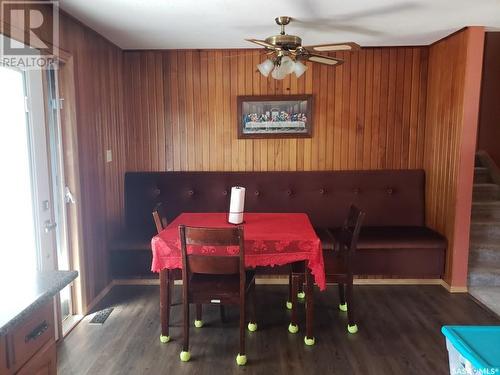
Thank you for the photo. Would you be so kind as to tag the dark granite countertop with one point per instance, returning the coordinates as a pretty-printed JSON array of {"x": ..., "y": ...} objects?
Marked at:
[{"x": 20, "y": 296}]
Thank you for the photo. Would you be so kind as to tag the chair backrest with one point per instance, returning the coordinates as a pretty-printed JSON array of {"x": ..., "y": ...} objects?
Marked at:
[
  {"x": 205, "y": 263},
  {"x": 160, "y": 217},
  {"x": 348, "y": 239}
]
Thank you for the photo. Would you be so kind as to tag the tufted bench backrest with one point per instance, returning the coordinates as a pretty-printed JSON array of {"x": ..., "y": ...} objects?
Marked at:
[{"x": 389, "y": 197}]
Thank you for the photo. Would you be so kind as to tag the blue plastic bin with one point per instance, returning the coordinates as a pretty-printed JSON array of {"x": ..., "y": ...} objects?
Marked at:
[{"x": 473, "y": 350}]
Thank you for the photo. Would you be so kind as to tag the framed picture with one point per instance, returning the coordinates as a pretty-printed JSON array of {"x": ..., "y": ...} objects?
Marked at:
[{"x": 285, "y": 116}]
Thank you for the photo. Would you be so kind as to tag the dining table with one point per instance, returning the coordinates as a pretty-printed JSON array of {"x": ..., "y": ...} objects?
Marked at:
[{"x": 270, "y": 239}]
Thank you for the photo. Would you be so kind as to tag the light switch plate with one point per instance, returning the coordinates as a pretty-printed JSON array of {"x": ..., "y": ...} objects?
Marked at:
[{"x": 109, "y": 156}]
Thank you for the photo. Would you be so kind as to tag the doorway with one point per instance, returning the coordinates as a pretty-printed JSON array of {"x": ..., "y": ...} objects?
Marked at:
[{"x": 33, "y": 193}]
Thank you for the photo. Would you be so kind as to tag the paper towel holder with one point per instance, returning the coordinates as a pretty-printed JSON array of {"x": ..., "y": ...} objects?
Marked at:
[{"x": 236, "y": 207}]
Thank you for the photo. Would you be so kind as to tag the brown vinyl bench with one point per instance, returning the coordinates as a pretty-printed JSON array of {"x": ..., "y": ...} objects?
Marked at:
[{"x": 394, "y": 241}]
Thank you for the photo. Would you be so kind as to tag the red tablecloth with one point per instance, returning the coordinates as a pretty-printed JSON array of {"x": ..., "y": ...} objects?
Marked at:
[{"x": 270, "y": 239}]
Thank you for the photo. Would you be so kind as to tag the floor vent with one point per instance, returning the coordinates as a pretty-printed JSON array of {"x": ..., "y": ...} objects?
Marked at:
[{"x": 101, "y": 316}]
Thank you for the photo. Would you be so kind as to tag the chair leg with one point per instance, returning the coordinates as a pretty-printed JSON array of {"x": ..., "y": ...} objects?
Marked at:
[
  {"x": 198, "y": 323},
  {"x": 301, "y": 294},
  {"x": 293, "y": 327},
  {"x": 185, "y": 355},
  {"x": 165, "y": 302},
  {"x": 352, "y": 327},
  {"x": 241, "y": 358},
  {"x": 252, "y": 323},
  {"x": 290, "y": 282},
  {"x": 342, "y": 303}
]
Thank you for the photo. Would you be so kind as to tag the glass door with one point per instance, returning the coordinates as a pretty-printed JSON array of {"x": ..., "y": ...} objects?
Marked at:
[{"x": 26, "y": 218}]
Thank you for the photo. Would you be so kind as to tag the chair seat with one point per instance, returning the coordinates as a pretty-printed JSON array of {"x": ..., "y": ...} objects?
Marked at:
[
  {"x": 325, "y": 237},
  {"x": 398, "y": 238},
  {"x": 205, "y": 288}
]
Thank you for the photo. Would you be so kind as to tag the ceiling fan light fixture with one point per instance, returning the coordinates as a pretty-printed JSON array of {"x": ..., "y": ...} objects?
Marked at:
[
  {"x": 265, "y": 67},
  {"x": 299, "y": 69}
]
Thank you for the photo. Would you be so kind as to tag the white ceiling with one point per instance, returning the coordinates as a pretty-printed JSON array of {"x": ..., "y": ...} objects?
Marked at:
[{"x": 159, "y": 24}]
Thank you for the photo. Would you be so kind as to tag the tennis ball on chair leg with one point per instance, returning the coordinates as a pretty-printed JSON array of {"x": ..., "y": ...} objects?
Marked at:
[
  {"x": 309, "y": 341},
  {"x": 301, "y": 295},
  {"x": 343, "y": 307},
  {"x": 252, "y": 327},
  {"x": 241, "y": 360},
  {"x": 289, "y": 305},
  {"x": 352, "y": 329},
  {"x": 198, "y": 323},
  {"x": 185, "y": 356},
  {"x": 293, "y": 328},
  {"x": 164, "y": 339}
]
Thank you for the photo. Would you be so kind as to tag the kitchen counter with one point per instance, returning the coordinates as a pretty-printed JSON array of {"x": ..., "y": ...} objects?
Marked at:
[{"x": 22, "y": 294}]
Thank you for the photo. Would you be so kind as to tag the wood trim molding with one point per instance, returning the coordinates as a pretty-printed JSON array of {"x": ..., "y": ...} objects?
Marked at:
[
  {"x": 283, "y": 280},
  {"x": 453, "y": 289}
]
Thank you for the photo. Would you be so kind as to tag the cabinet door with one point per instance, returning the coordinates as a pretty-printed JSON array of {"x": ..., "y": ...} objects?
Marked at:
[
  {"x": 43, "y": 363},
  {"x": 32, "y": 334}
]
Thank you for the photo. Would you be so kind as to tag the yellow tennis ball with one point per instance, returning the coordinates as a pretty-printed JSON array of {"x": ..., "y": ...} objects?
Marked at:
[
  {"x": 241, "y": 360},
  {"x": 185, "y": 356},
  {"x": 164, "y": 339},
  {"x": 252, "y": 327},
  {"x": 352, "y": 329},
  {"x": 293, "y": 328},
  {"x": 309, "y": 341}
]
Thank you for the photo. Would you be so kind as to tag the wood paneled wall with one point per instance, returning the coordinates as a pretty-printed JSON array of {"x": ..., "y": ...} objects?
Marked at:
[
  {"x": 451, "y": 125},
  {"x": 98, "y": 69},
  {"x": 180, "y": 111}
]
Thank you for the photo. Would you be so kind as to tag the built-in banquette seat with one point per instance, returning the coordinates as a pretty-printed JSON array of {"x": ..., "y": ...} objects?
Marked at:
[{"x": 394, "y": 240}]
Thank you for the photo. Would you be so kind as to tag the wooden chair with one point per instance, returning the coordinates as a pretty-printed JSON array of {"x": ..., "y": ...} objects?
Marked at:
[
  {"x": 160, "y": 217},
  {"x": 339, "y": 262},
  {"x": 215, "y": 279},
  {"x": 338, "y": 269},
  {"x": 167, "y": 277}
]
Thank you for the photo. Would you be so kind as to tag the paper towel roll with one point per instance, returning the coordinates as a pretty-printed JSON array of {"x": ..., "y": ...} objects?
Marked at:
[{"x": 237, "y": 205}]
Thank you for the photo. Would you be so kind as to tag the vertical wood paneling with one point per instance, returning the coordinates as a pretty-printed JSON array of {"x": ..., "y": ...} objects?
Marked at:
[
  {"x": 450, "y": 130},
  {"x": 367, "y": 112},
  {"x": 98, "y": 85}
]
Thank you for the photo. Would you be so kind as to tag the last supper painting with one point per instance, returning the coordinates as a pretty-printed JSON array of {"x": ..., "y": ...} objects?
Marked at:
[{"x": 275, "y": 116}]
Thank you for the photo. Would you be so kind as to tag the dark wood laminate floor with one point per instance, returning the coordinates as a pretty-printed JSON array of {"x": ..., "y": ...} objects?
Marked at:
[{"x": 399, "y": 334}]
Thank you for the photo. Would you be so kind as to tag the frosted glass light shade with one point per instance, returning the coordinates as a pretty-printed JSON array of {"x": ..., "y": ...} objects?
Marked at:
[
  {"x": 287, "y": 65},
  {"x": 299, "y": 68},
  {"x": 278, "y": 73},
  {"x": 265, "y": 67}
]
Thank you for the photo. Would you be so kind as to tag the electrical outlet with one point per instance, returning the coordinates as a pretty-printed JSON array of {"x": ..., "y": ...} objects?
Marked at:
[{"x": 109, "y": 156}]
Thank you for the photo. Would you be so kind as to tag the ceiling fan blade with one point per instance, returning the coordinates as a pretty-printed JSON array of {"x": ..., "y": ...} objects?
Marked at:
[
  {"x": 324, "y": 59},
  {"x": 262, "y": 43},
  {"x": 350, "y": 46}
]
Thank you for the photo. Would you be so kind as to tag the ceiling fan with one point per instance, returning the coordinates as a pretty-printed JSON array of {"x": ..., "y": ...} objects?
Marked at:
[{"x": 288, "y": 53}]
